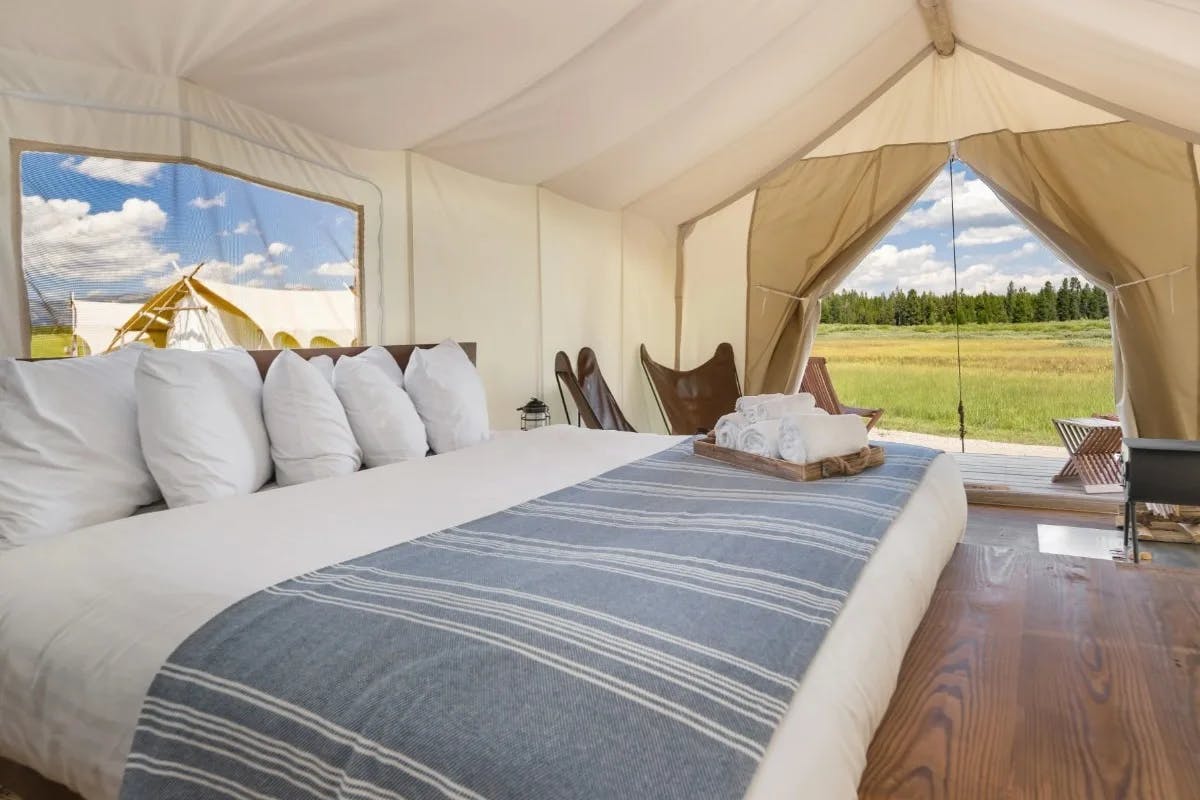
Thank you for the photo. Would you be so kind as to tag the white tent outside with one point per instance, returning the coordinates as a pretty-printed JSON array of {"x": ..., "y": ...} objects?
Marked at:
[
  {"x": 97, "y": 322},
  {"x": 582, "y": 146},
  {"x": 197, "y": 324},
  {"x": 305, "y": 315},
  {"x": 195, "y": 315}
]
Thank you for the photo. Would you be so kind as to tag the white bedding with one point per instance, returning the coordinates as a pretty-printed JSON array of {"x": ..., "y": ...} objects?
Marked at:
[{"x": 86, "y": 619}]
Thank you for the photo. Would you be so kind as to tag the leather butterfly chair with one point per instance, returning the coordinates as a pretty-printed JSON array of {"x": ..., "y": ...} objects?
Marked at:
[
  {"x": 566, "y": 377},
  {"x": 692, "y": 401},
  {"x": 816, "y": 381},
  {"x": 589, "y": 391},
  {"x": 599, "y": 397}
]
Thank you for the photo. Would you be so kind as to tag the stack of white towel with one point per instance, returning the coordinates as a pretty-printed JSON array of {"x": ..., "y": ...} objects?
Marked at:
[{"x": 790, "y": 427}]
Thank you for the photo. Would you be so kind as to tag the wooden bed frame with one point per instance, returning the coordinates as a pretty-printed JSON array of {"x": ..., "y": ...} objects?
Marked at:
[
  {"x": 401, "y": 352},
  {"x": 29, "y": 784},
  {"x": 263, "y": 358}
]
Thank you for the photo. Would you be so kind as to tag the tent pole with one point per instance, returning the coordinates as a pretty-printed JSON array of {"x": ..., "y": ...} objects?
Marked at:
[
  {"x": 72, "y": 351},
  {"x": 962, "y": 416},
  {"x": 937, "y": 20}
]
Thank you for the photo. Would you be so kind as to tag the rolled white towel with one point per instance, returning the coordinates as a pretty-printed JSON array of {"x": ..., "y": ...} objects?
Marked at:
[
  {"x": 760, "y": 438},
  {"x": 805, "y": 438},
  {"x": 751, "y": 400},
  {"x": 779, "y": 407},
  {"x": 728, "y": 428}
]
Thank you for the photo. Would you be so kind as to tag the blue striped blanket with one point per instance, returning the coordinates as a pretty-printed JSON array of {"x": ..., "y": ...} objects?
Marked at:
[{"x": 637, "y": 635}]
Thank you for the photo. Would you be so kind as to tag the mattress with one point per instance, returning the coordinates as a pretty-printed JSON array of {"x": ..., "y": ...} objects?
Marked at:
[{"x": 87, "y": 619}]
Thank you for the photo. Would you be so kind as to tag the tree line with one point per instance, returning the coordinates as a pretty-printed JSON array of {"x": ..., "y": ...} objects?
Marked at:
[{"x": 1071, "y": 300}]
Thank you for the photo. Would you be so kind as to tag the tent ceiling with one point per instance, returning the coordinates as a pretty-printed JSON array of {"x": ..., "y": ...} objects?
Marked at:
[{"x": 667, "y": 105}]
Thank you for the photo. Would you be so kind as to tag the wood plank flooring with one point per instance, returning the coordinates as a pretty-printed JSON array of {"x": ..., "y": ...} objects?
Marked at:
[
  {"x": 1041, "y": 676},
  {"x": 1025, "y": 482}
]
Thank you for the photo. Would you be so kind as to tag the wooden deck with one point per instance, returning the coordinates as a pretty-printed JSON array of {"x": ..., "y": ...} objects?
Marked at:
[
  {"x": 1043, "y": 676},
  {"x": 1024, "y": 481}
]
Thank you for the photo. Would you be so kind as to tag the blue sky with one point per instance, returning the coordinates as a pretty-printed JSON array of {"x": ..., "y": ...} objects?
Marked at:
[
  {"x": 111, "y": 229},
  {"x": 994, "y": 247}
]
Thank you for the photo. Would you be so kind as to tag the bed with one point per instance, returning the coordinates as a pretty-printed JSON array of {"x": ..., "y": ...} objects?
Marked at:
[{"x": 88, "y": 619}]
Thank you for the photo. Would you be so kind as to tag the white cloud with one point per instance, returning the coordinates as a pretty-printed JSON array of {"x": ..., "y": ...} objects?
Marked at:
[
  {"x": 277, "y": 249},
  {"x": 1027, "y": 250},
  {"x": 246, "y": 227},
  {"x": 130, "y": 173},
  {"x": 887, "y": 266},
  {"x": 994, "y": 280},
  {"x": 274, "y": 270},
  {"x": 218, "y": 201},
  {"x": 939, "y": 188},
  {"x": 230, "y": 273},
  {"x": 252, "y": 261},
  {"x": 64, "y": 239},
  {"x": 983, "y": 236},
  {"x": 337, "y": 268},
  {"x": 974, "y": 205}
]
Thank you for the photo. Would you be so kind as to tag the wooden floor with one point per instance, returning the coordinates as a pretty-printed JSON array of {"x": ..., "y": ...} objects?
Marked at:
[
  {"x": 1025, "y": 481},
  {"x": 1038, "y": 676}
]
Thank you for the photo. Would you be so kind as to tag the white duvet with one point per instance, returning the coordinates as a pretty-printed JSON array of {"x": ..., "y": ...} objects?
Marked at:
[{"x": 87, "y": 618}]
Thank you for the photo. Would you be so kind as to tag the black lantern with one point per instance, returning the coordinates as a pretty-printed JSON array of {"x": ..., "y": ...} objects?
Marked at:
[{"x": 534, "y": 414}]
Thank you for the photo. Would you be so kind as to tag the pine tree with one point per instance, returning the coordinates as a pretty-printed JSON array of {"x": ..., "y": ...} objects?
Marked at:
[
  {"x": 1076, "y": 307},
  {"x": 1073, "y": 299},
  {"x": 1022, "y": 306},
  {"x": 1046, "y": 309},
  {"x": 1062, "y": 301}
]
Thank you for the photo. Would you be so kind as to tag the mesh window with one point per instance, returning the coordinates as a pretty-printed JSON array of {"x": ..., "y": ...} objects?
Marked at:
[{"x": 252, "y": 264}]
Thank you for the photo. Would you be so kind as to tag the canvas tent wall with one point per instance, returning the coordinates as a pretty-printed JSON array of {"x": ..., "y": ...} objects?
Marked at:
[{"x": 511, "y": 158}]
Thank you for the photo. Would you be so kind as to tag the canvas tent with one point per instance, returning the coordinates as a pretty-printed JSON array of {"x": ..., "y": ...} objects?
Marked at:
[
  {"x": 96, "y": 322},
  {"x": 310, "y": 316},
  {"x": 540, "y": 175},
  {"x": 203, "y": 315}
]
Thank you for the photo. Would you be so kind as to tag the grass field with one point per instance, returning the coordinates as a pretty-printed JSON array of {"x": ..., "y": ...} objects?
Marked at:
[
  {"x": 49, "y": 345},
  {"x": 1015, "y": 377}
]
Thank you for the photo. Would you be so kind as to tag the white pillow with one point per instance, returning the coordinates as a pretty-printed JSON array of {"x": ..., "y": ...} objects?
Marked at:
[
  {"x": 385, "y": 361},
  {"x": 324, "y": 365},
  {"x": 382, "y": 415},
  {"x": 449, "y": 395},
  {"x": 200, "y": 418},
  {"x": 310, "y": 436},
  {"x": 69, "y": 452}
]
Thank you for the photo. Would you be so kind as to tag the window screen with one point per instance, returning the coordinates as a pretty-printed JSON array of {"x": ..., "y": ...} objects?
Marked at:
[{"x": 180, "y": 254}]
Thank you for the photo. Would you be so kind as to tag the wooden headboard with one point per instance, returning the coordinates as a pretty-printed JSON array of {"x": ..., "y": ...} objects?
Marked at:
[
  {"x": 400, "y": 352},
  {"x": 263, "y": 358}
]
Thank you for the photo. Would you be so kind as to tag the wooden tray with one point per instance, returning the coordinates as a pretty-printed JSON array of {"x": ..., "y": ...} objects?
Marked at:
[{"x": 851, "y": 464}]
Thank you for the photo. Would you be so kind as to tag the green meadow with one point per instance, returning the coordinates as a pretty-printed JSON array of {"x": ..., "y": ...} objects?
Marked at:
[
  {"x": 49, "y": 344},
  {"x": 1016, "y": 377}
]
